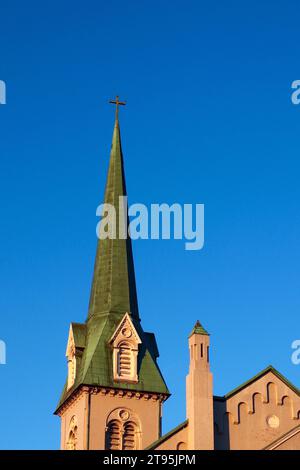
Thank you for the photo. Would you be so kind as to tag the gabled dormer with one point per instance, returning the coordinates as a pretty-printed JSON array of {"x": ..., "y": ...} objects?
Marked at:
[
  {"x": 75, "y": 348},
  {"x": 125, "y": 343}
]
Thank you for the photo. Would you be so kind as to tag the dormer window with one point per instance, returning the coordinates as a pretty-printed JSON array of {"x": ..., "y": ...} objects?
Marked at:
[
  {"x": 125, "y": 342},
  {"x": 125, "y": 360},
  {"x": 75, "y": 347}
]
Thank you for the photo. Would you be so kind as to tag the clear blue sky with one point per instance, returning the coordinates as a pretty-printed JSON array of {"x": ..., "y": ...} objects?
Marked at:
[{"x": 209, "y": 120}]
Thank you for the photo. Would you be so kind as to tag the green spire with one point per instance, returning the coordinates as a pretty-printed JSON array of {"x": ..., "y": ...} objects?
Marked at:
[
  {"x": 113, "y": 294},
  {"x": 198, "y": 329},
  {"x": 113, "y": 288}
]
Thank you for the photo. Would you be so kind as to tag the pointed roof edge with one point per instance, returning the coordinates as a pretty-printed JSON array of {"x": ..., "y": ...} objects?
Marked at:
[
  {"x": 125, "y": 318},
  {"x": 270, "y": 368},
  {"x": 284, "y": 437},
  {"x": 100, "y": 304},
  {"x": 167, "y": 435},
  {"x": 198, "y": 330}
]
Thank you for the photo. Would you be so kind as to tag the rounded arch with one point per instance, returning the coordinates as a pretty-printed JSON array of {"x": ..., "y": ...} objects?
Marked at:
[
  {"x": 123, "y": 430},
  {"x": 257, "y": 401},
  {"x": 181, "y": 446},
  {"x": 123, "y": 414},
  {"x": 287, "y": 402},
  {"x": 129, "y": 436},
  {"x": 113, "y": 435},
  {"x": 127, "y": 343},
  {"x": 243, "y": 411},
  {"x": 125, "y": 360},
  {"x": 272, "y": 393},
  {"x": 73, "y": 421}
]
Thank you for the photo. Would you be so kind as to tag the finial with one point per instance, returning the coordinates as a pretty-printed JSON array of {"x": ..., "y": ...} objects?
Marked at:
[
  {"x": 198, "y": 329},
  {"x": 117, "y": 103}
]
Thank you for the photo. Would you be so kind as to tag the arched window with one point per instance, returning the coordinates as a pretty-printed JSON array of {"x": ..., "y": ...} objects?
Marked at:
[
  {"x": 71, "y": 445},
  {"x": 72, "y": 437},
  {"x": 125, "y": 343},
  {"x": 129, "y": 436},
  {"x": 125, "y": 360},
  {"x": 123, "y": 431},
  {"x": 113, "y": 436}
]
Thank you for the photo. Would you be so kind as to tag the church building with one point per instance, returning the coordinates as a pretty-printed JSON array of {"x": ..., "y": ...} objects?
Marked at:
[{"x": 114, "y": 391}]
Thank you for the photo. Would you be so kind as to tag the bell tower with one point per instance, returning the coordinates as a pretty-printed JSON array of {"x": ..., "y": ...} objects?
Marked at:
[{"x": 114, "y": 391}]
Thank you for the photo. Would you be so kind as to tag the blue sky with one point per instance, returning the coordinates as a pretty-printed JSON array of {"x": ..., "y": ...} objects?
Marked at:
[{"x": 209, "y": 120}]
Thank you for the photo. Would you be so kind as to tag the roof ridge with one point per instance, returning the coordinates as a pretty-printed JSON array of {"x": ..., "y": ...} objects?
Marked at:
[
  {"x": 278, "y": 439},
  {"x": 260, "y": 374},
  {"x": 168, "y": 434}
]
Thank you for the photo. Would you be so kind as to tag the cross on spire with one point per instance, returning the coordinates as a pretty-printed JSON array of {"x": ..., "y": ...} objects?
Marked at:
[{"x": 117, "y": 103}]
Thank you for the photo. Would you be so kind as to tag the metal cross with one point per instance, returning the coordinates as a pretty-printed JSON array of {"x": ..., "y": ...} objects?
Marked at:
[{"x": 117, "y": 103}]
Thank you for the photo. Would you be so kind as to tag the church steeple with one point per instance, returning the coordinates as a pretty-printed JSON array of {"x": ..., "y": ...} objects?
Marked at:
[
  {"x": 114, "y": 288},
  {"x": 111, "y": 359}
]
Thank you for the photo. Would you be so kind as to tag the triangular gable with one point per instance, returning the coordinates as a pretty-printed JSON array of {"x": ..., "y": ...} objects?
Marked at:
[
  {"x": 126, "y": 329},
  {"x": 258, "y": 376},
  {"x": 76, "y": 338}
]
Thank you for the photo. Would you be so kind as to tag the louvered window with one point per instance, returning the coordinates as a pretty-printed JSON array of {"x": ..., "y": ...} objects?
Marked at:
[
  {"x": 125, "y": 350},
  {"x": 113, "y": 436},
  {"x": 124, "y": 361},
  {"x": 129, "y": 436}
]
